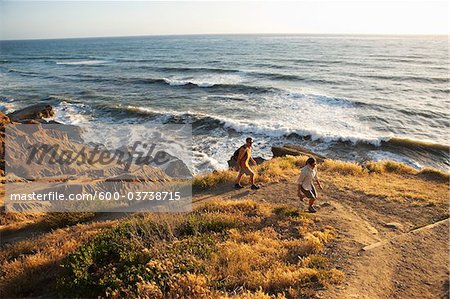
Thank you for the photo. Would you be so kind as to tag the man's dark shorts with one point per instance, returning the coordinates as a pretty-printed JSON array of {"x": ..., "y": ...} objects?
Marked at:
[{"x": 309, "y": 193}]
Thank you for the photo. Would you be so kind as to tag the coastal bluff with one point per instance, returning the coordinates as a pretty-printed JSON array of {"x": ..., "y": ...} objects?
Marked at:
[
  {"x": 34, "y": 141},
  {"x": 377, "y": 225}
]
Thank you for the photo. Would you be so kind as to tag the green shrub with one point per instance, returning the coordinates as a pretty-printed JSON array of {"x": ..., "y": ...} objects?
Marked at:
[
  {"x": 139, "y": 251},
  {"x": 104, "y": 263}
]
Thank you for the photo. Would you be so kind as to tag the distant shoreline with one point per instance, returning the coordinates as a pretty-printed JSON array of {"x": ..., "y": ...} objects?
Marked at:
[{"x": 236, "y": 34}]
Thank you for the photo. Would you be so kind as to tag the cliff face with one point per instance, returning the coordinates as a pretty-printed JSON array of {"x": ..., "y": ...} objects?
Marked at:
[
  {"x": 54, "y": 152},
  {"x": 32, "y": 114},
  {"x": 4, "y": 120},
  {"x": 49, "y": 158}
]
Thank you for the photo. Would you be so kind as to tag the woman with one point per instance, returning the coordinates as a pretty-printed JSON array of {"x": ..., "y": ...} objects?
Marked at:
[{"x": 305, "y": 183}]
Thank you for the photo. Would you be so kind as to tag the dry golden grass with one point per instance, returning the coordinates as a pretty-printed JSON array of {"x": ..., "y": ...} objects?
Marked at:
[
  {"x": 434, "y": 175},
  {"x": 247, "y": 208},
  {"x": 389, "y": 167},
  {"x": 14, "y": 220},
  {"x": 340, "y": 167},
  {"x": 239, "y": 249},
  {"x": 387, "y": 179},
  {"x": 220, "y": 250},
  {"x": 399, "y": 168},
  {"x": 252, "y": 295},
  {"x": 62, "y": 219},
  {"x": 279, "y": 168},
  {"x": 17, "y": 220},
  {"x": 268, "y": 260},
  {"x": 390, "y": 180},
  {"x": 208, "y": 181},
  {"x": 259, "y": 249},
  {"x": 270, "y": 171},
  {"x": 29, "y": 265},
  {"x": 392, "y": 186}
]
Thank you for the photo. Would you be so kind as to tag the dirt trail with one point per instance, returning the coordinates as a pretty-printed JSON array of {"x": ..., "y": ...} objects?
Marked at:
[
  {"x": 368, "y": 274},
  {"x": 410, "y": 265},
  {"x": 404, "y": 263}
]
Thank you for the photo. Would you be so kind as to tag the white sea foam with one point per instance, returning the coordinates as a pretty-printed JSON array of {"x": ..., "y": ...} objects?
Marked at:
[
  {"x": 305, "y": 115},
  {"x": 7, "y": 105},
  {"x": 72, "y": 113},
  {"x": 212, "y": 152},
  {"x": 82, "y": 62},
  {"x": 316, "y": 126},
  {"x": 205, "y": 80},
  {"x": 276, "y": 130},
  {"x": 205, "y": 162}
]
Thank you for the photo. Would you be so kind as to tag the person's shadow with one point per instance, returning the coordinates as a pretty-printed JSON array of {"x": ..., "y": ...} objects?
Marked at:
[
  {"x": 220, "y": 189},
  {"x": 241, "y": 194}
]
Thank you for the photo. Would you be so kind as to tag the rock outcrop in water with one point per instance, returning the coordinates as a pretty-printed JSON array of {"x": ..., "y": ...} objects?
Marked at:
[
  {"x": 295, "y": 150},
  {"x": 34, "y": 112}
]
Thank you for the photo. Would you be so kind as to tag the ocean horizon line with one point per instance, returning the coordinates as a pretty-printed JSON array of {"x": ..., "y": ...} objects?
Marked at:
[{"x": 390, "y": 35}]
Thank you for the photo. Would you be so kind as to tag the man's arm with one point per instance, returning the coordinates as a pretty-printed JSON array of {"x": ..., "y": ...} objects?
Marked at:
[{"x": 253, "y": 161}]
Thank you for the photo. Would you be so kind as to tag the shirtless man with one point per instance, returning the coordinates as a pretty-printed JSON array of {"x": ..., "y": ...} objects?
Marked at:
[{"x": 244, "y": 157}]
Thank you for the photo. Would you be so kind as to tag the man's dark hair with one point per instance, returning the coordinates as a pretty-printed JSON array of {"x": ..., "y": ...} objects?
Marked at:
[
  {"x": 248, "y": 139},
  {"x": 310, "y": 161}
]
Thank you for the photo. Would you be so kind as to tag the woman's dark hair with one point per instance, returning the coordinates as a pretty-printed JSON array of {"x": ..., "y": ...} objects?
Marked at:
[{"x": 310, "y": 161}]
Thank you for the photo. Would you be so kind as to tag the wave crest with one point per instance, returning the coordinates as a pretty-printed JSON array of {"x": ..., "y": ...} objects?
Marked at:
[{"x": 82, "y": 62}]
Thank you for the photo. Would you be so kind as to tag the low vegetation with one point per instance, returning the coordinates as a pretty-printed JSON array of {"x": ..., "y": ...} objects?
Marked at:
[
  {"x": 62, "y": 219},
  {"x": 387, "y": 179},
  {"x": 226, "y": 249},
  {"x": 389, "y": 167},
  {"x": 220, "y": 250},
  {"x": 29, "y": 268},
  {"x": 394, "y": 181},
  {"x": 16, "y": 220}
]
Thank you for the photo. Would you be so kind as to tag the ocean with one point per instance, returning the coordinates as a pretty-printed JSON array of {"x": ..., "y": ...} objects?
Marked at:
[{"x": 353, "y": 98}]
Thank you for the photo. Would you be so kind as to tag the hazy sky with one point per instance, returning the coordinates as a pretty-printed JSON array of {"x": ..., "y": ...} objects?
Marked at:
[{"x": 55, "y": 19}]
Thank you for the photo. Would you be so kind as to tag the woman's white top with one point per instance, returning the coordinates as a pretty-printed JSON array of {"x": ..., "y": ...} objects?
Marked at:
[{"x": 307, "y": 176}]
